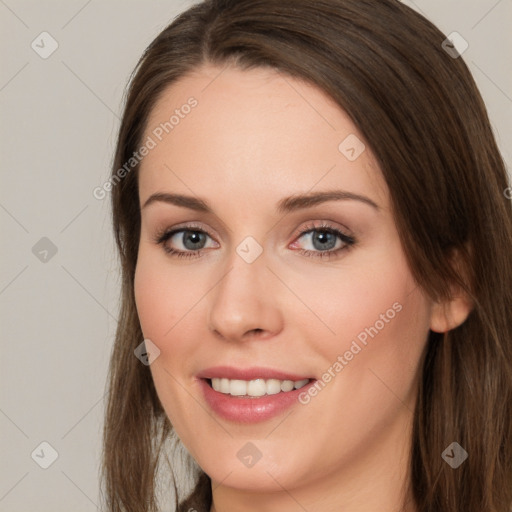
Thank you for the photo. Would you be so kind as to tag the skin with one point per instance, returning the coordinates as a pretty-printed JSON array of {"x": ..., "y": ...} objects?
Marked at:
[{"x": 254, "y": 138}]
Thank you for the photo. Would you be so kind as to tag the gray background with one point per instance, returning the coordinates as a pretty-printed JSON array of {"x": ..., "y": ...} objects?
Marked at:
[{"x": 59, "y": 118}]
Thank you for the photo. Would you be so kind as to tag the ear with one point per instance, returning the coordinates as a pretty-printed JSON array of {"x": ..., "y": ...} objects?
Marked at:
[{"x": 449, "y": 313}]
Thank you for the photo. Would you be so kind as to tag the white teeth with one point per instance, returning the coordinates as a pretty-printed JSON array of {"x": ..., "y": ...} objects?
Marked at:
[
  {"x": 287, "y": 385},
  {"x": 238, "y": 387},
  {"x": 273, "y": 386},
  {"x": 256, "y": 387},
  {"x": 224, "y": 386},
  {"x": 301, "y": 383}
]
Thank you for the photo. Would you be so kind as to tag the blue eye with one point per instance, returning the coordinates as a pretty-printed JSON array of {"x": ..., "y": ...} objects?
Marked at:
[
  {"x": 326, "y": 241},
  {"x": 192, "y": 239}
]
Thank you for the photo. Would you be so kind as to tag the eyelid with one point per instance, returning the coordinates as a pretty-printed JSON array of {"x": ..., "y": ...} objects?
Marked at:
[
  {"x": 343, "y": 233},
  {"x": 166, "y": 232},
  {"x": 321, "y": 224},
  {"x": 300, "y": 231}
]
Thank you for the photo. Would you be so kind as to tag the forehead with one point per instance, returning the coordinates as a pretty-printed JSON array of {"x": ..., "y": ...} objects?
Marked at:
[{"x": 257, "y": 130}]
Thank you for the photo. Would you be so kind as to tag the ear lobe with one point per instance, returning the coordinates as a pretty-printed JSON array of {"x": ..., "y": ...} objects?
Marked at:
[{"x": 449, "y": 314}]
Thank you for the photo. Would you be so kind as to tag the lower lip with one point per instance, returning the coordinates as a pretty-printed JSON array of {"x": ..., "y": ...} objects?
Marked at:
[{"x": 244, "y": 409}]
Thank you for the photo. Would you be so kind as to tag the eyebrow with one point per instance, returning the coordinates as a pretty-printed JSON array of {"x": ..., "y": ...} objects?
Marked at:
[{"x": 286, "y": 205}]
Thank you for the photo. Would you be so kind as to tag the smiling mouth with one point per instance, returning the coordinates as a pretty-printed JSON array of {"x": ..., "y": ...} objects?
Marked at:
[{"x": 255, "y": 388}]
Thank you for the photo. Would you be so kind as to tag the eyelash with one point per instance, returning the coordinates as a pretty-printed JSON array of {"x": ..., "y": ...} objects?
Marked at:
[{"x": 162, "y": 236}]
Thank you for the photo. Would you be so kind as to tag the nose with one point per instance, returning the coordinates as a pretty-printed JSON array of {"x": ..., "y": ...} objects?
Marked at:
[{"x": 245, "y": 303}]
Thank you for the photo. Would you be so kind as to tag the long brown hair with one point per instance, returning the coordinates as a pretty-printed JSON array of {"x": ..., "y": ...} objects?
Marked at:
[{"x": 424, "y": 119}]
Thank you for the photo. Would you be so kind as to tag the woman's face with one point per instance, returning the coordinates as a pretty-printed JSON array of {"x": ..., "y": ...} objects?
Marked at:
[{"x": 282, "y": 288}]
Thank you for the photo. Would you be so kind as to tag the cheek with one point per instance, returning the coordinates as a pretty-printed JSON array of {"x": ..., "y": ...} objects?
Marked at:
[
  {"x": 380, "y": 342},
  {"x": 358, "y": 303},
  {"x": 169, "y": 305},
  {"x": 164, "y": 298},
  {"x": 164, "y": 312},
  {"x": 151, "y": 300},
  {"x": 379, "y": 323}
]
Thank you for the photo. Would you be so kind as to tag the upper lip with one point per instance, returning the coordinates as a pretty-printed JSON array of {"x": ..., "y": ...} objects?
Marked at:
[{"x": 252, "y": 373}]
